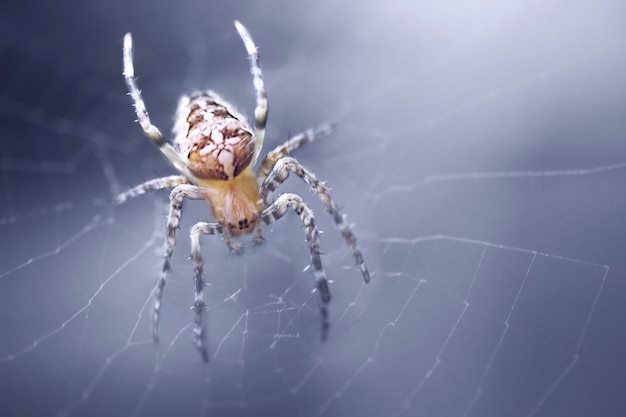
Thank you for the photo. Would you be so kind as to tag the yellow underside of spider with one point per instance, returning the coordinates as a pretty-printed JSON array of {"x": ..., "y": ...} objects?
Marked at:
[{"x": 235, "y": 202}]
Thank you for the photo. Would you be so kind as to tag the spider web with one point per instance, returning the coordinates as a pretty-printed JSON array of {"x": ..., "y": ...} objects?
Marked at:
[{"x": 480, "y": 154}]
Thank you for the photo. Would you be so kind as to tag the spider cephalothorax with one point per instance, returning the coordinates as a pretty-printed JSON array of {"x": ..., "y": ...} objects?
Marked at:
[{"x": 215, "y": 150}]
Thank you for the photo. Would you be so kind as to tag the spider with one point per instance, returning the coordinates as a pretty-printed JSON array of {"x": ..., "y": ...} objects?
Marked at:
[{"x": 215, "y": 150}]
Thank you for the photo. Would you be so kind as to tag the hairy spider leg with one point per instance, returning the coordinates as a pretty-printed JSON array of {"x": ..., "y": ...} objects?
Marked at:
[
  {"x": 279, "y": 174},
  {"x": 152, "y": 132},
  {"x": 151, "y": 185},
  {"x": 177, "y": 196},
  {"x": 277, "y": 210},
  {"x": 199, "y": 332},
  {"x": 260, "y": 112},
  {"x": 292, "y": 144}
]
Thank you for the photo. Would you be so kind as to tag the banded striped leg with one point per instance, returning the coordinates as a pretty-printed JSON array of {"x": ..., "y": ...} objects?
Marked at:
[
  {"x": 292, "y": 144},
  {"x": 260, "y": 112},
  {"x": 151, "y": 185},
  {"x": 152, "y": 132},
  {"x": 200, "y": 228},
  {"x": 280, "y": 172},
  {"x": 277, "y": 210},
  {"x": 173, "y": 220}
]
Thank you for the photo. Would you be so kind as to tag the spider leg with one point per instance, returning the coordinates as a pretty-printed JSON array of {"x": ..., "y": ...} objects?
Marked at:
[
  {"x": 292, "y": 144},
  {"x": 200, "y": 228},
  {"x": 260, "y": 112},
  {"x": 277, "y": 210},
  {"x": 173, "y": 220},
  {"x": 280, "y": 172},
  {"x": 151, "y": 185},
  {"x": 151, "y": 131}
]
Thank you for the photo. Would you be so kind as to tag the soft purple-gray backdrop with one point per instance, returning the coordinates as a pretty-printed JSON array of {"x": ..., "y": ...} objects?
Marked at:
[{"x": 481, "y": 154}]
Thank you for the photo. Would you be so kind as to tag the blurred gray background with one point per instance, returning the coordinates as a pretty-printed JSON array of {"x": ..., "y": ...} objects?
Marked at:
[{"x": 480, "y": 154}]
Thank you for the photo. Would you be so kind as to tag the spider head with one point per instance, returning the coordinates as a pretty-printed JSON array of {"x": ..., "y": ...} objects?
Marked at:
[
  {"x": 240, "y": 209},
  {"x": 243, "y": 225},
  {"x": 236, "y": 203}
]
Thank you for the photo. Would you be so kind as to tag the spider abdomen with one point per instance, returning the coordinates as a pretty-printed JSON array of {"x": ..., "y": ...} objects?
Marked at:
[{"x": 215, "y": 141}]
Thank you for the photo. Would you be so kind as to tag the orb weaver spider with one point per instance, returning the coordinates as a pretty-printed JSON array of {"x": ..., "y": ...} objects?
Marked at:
[{"x": 215, "y": 150}]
